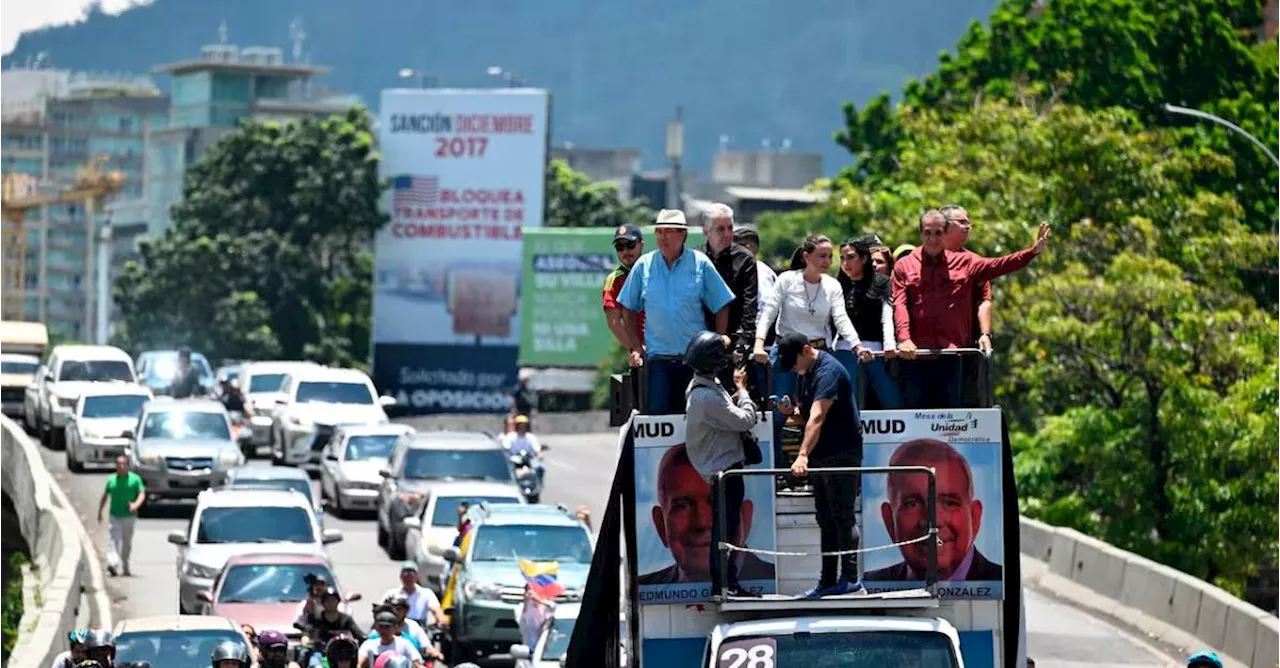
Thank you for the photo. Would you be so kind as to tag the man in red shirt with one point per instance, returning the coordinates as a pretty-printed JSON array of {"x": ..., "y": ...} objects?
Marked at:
[
  {"x": 629, "y": 245},
  {"x": 973, "y": 370},
  {"x": 933, "y": 307}
]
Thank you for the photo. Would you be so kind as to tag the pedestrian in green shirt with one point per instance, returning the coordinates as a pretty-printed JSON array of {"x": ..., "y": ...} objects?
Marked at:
[{"x": 125, "y": 491}]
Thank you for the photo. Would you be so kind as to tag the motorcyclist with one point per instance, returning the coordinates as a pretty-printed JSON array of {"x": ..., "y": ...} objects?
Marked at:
[
  {"x": 186, "y": 381},
  {"x": 230, "y": 654},
  {"x": 522, "y": 441},
  {"x": 342, "y": 652},
  {"x": 73, "y": 656},
  {"x": 424, "y": 605},
  {"x": 274, "y": 648},
  {"x": 410, "y": 630},
  {"x": 233, "y": 398},
  {"x": 386, "y": 641},
  {"x": 330, "y": 623},
  {"x": 100, "y": 646}
]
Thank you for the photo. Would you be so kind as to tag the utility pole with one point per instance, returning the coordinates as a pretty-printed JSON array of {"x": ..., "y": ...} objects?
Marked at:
[
  {"x": 675, "y": 153},
  {"x": 104, "y": 285}
]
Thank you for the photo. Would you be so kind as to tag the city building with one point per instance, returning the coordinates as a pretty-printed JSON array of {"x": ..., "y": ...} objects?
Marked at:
[
  {"x": 56, "y": 123},
  {"x": 603, "y": 165},
  {"x": 213, "y": 93}
]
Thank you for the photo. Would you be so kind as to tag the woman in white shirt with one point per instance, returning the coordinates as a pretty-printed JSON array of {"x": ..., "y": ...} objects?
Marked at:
[{"x": 804, "y": 300}]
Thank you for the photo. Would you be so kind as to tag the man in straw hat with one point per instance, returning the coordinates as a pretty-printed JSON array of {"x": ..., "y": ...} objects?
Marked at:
[{"x": 671, "y": 286}]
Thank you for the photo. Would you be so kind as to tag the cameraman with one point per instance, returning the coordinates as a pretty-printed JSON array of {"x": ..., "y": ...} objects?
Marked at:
[{"x": 714, "y": 431}]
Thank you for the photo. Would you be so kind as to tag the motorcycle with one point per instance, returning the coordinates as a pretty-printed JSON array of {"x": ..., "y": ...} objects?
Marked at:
[
  {"x": 527, "y": 475},
  {"x": 242, "y": 434}
]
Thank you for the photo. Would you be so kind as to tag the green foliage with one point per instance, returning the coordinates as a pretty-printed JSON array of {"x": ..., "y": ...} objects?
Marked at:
[
  {"x": 1134, "y": 54},
  {"x": 11, "y": 612},
  {"x": 574, "y": 200},
  {"x": 269, "y": 253}
]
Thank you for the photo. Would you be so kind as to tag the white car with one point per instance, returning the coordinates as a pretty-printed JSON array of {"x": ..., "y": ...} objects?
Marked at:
[
  {"x": 230, "y": 522},
  {"x": 261, "y": 383},
  {"x": 96, "y": 429},
  {"x": 349, "y": 469},
  {"x": 70, "y": 371},
  {"x": 436, "y": 525},
  {"x": 863, "y": 640},
  {"x": 17, "y": 373},
  {"x": 316, "y": 401}
]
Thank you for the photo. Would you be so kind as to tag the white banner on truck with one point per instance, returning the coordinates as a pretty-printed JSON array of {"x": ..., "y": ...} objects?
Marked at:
[{"x": 468, "y": 175}]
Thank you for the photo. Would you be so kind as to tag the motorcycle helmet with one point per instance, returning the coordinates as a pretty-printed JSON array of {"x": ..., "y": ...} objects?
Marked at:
[
  {"x": 272, "y": 638},
  {"x": 230, "y": 650},
  {"x": 708, "y": 352},
  {"x": 394, "y": 660},
  {"x": 100, "y": 646},
  {"x": 342, "y": 647},
  {"x": 77, "y": 636},
  {"x": 90, "y": 663}
]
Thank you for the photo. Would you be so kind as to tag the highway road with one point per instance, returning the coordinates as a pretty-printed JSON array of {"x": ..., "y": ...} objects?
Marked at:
[{"x": 578, "y": 473}]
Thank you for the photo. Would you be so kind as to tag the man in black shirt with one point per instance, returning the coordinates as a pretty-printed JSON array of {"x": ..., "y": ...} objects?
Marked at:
[
  {"x": 832, "y": 438},
  {"x": 186, "y": 383},
  {"x": 737, "y": 266}
]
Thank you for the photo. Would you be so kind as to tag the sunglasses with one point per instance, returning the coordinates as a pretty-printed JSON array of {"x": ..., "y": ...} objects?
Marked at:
[{"x": 625, "y": 245}]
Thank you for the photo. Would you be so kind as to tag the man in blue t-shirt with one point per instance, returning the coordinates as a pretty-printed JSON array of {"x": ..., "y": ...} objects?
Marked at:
[{"x": 832, "y": 438}]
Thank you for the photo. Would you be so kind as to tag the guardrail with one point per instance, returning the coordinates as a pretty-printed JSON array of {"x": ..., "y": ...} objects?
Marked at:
[
  {"x": 50, "y": 590},
  {"x": 1155, "y": 598}
]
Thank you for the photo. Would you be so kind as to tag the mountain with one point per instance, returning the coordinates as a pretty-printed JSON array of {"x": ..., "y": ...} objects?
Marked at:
[{"x": 749, "y": 69}]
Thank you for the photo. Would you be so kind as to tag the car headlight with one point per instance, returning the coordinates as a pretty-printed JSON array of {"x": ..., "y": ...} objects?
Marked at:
[
  {"x": 230, "y": 458},
  {"x": 149, "y": 459},
  {"x": 482, "y": 591},
  {"x": 193, "y": 570}
]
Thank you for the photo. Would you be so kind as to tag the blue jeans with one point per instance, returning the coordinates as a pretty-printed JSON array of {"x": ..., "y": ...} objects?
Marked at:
[
  {"x": 668, "y": 378},
  {"x": 875, "y": 375},
  {"x": 784, "y": 384}
]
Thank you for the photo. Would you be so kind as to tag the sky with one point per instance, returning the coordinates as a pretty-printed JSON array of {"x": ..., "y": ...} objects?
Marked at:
[{"x": 18, "y": 16}]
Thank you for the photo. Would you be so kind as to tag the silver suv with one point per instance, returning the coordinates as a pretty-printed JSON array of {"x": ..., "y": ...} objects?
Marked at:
[{"x": 182, "y": 447}]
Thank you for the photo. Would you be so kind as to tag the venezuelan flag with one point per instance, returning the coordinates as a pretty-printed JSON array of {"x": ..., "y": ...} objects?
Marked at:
[{"x": 542, "y": 578}]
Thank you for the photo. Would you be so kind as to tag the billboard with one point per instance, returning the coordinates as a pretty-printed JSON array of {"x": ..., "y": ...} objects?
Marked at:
[
  {"x": 468, "y": 173},
  {"x": 673, "y": 517},
  {"x": 964, "y": 448},
  {"x": 562, "y": 321}
]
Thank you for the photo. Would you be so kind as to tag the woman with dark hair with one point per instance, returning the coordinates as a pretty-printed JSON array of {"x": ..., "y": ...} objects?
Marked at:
[
  {"x": 867, "y": 302},
  {"x": 804, "y": 300}
]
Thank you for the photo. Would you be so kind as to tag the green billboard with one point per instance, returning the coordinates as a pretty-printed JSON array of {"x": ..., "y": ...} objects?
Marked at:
[{"x": 561, "y": 320}]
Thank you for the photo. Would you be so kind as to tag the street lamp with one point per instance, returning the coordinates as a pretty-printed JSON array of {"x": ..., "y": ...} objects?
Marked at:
[
  {"x": 1205, "y": 115},
  {"x": 424, "y": 78},
  {"x": 512, "y": 80}
]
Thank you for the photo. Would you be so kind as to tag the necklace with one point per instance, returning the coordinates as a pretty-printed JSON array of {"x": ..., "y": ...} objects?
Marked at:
[{"x": 809, "y": 298}]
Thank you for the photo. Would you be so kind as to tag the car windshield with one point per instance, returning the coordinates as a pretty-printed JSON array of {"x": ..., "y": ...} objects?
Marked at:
[
  {"x": 890, "y": 649},
  {"x": 446, "y": 511},
  {"x": 186, "y": 425},
  {"x": 24, "y": 368},
  {"x": 558, "y": 639},
  {"x": 337, "y": 393},
  {"x": 95, "y": 370},
  {"x": 113, "y": 406},
  {"x": 421, "y": 464},
  {"x": 172, "y": 649},
  {"x": 371, "y": 447},
  {"x": 164, "y": 367},
  {"x": 302, "y": 486},
  {"x": 265, "y": 382},
  {"x": 268, "y": 583},
  {"x": 261, "y": 524},
  {"x": 533, "y": 542}
]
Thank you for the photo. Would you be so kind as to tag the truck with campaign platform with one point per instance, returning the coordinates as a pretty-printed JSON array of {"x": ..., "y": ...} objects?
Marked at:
[{"x": 937, "y": 558}]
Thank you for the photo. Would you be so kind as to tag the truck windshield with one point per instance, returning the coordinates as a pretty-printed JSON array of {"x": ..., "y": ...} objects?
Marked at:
[{"x": 875, "y": 649}]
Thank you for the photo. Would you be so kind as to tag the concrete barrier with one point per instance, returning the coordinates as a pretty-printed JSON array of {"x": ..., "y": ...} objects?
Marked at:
[
  {"x": 1159, "y": 600},
  {"x": 51, "y": 588}
]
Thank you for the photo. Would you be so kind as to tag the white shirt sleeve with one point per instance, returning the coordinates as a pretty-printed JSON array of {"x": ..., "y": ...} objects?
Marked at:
[
  {"x": 886, "y": 326},
  {"x": 534, "y": 443},
  {"x": 835, "y": 297},
  {"x": 772, "y": 306}
]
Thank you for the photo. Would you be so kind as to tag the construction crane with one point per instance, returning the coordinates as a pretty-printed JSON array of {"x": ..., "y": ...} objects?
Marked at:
[{"x": 20, "y": 194}]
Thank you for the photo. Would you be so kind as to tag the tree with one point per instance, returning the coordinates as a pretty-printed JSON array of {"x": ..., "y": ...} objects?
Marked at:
[
  {"x": 269, "y": 253},
  {"x": 574, "y": 200},
  {"x": 1134, "y": 54}
]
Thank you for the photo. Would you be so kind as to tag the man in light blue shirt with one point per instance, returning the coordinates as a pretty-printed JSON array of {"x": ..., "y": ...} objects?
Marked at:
[{"x": 671, "y": 286}]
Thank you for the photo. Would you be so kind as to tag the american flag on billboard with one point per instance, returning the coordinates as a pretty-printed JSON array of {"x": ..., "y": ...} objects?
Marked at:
[{"x": 416, "y": 191}]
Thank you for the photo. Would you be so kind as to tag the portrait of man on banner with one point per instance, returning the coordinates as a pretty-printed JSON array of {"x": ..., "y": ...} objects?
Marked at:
[{"x": 967, "y": 476}]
